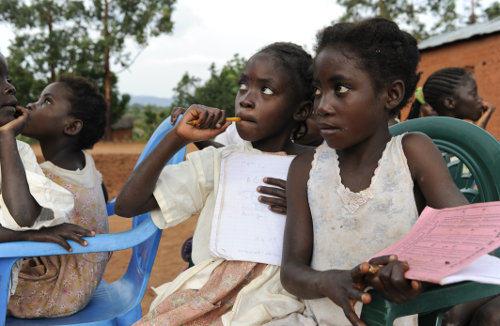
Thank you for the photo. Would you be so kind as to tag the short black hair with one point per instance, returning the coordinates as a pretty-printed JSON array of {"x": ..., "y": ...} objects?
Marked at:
[
  {"x": 88, "y": 105},
  {"x": 298, "y": 64},
  {"x": 385, "y": 51}
]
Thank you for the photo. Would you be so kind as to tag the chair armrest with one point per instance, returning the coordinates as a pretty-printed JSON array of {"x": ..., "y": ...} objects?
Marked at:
[
  {"x": 99, "y": 243},
  {"x": 383, "y": 312}
]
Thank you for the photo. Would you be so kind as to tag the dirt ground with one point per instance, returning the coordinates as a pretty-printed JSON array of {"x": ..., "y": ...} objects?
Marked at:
[{"x": 116, "y": 161}]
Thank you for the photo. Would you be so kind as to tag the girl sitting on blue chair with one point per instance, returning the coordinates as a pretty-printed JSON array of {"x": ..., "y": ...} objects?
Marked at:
[{"x": 40, "y": 201}]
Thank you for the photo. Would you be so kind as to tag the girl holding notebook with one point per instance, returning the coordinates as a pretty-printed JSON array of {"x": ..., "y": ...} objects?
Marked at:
[{"x": 274, "y": 97}]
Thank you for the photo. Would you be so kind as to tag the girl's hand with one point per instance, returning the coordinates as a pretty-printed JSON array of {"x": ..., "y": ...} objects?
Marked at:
[
  {"x": 277, "y": 196},
  {"x": 345, "y": 288},
  {"x": 488, "y": 108},
  {"x": 390, "y": 279},
  {"x": 59, "y": 234},
  {"x": 208, "y": 123},
  {"x": 176, "y": 112},
  {"x": 14, "y": 127}
]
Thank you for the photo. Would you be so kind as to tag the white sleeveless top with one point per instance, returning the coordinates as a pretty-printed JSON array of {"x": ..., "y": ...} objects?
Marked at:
[{"x": 350, "y": 227}]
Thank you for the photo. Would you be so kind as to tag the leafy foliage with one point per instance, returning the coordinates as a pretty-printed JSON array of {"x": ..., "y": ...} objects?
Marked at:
[
  {"x": 493, "y": 10},
  {"x": 421, "y": 18},
  {"x": 146, "y": 119},
  {"x": 55, "y": 37},
  {"x": 219, "y": 90}
]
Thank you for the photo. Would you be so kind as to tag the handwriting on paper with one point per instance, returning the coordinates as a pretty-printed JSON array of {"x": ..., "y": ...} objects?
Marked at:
[
  {"x": 243, "y": 228},
  {"x": 445, "y": 241}
]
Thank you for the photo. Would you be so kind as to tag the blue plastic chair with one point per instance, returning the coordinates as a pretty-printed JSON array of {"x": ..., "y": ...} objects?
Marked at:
[{"x": 118, "y": 303}]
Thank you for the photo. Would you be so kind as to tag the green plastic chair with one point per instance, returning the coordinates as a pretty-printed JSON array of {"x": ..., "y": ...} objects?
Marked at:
[{"x": 473, "y": 159}]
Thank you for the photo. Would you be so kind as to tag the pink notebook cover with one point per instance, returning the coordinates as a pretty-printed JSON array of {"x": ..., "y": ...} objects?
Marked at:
[{"x": 443, "y": 241}]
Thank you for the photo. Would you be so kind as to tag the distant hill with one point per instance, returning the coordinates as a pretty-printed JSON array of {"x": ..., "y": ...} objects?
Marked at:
[{"x": 151, "y": 100}]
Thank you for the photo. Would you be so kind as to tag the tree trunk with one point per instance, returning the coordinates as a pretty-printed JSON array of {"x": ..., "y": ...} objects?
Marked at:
[
  {"x": 52, "y": 65},
  {"x": 107, "y": 72},
  {"x": 382, "y": 10}
]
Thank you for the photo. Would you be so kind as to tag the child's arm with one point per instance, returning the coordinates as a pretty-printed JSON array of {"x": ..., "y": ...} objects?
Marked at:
[
  {"x": 15, "y": 191},
  {"x": 136, "y": 197},
  {"x": 59, "y": 234},
  {"x": 296, "y": 274}
]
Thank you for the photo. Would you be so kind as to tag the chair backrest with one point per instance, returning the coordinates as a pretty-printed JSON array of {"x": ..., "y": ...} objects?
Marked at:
[
  {"x": 471, "y": 153},
  {"x": 143, "y": 256}
]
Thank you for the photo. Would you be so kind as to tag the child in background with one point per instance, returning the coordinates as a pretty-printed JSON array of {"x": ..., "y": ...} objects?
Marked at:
[
  {"x": 452, "y": 92},
  {"x": 32, "y": 207},
  {"x": 26, "y": 192},
  {"x": 362, "y": 189},
  {"x": 68, "y": 118},
  {"x": 273, "y": 98}
]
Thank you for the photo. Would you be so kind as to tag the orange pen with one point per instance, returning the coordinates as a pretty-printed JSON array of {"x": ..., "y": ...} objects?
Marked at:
[{"x": 230, "y": 119}]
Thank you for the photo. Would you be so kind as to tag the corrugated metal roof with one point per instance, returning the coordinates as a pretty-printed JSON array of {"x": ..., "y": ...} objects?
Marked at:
[{"x": 490, "y": 27}]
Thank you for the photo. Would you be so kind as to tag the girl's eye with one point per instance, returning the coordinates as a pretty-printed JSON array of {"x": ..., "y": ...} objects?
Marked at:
[
  {"x": 341, "y": 89},
  {"x": 243, "y": 87},
  {"x": 46, "y": 101},
  {"x": 317, "y": 92},
  {"x": 267, "y": 91}
]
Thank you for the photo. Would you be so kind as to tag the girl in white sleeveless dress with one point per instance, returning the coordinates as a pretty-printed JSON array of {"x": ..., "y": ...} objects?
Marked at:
[{"x": 362, "y": 189}]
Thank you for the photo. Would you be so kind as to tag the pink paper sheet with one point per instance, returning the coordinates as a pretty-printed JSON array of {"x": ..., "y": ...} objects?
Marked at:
[{"x": 444, "y": 241}]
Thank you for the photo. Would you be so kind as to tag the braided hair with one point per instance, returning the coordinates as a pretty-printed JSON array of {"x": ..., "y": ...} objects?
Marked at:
[
  {"x": 298, "y": 63},
  {"x": 440, "y": 85},
  {"x": 382, "y": 49}
]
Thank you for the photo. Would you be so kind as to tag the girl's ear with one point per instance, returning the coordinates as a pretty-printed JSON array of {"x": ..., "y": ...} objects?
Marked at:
[
  {"x": 73, "y": 127},
  {"x": 449, "y": 103},
  {"x": 395, "y": 94},
  {"x": 303, "y": 112}
]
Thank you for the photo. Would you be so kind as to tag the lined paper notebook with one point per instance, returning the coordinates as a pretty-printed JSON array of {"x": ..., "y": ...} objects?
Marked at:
[{"x": 243, "y": 228}]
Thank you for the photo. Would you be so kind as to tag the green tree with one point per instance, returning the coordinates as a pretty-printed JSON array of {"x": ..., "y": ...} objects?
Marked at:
[
  {"x": 414, "y": 16},
  {"x": 411, "y": 15},
  {"x": 219, "y": 90},
  {"x": 184, "y": 91},
  {"x": 493, "y": 10},
  {"x": 81, "y": 37},
  {"x": 122, "y": 20},
  {"x": 147, "y": 118}
]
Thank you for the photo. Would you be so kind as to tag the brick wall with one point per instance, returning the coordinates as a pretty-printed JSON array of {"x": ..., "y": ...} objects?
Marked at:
[{"x": 482, "y": 55}]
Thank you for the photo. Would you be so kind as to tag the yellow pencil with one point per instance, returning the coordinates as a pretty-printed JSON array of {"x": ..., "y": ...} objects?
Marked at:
[
  {"x": 373, "y": 269},
  {"x": 231, "y": 119}
]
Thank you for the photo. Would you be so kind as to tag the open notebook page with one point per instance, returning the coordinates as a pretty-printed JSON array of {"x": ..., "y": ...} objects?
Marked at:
[
  {"x": 243, "y": 228},
  {"x": 485, "y": 269}
]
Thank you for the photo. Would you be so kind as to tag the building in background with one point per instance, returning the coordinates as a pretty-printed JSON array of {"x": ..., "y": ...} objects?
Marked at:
[{"x": 475, "y": 47}]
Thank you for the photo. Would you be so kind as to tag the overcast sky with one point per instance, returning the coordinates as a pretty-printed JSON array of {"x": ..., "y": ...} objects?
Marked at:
[{"x": 209, "y": 31}]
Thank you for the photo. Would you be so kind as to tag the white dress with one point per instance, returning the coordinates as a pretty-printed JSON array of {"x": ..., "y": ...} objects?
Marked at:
[
  {"x": 349, "y": 227},
  {"x": 190, "y": 187},
  {"x": 229, "y": 137},
  {"x": 56, "y": 202}
]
